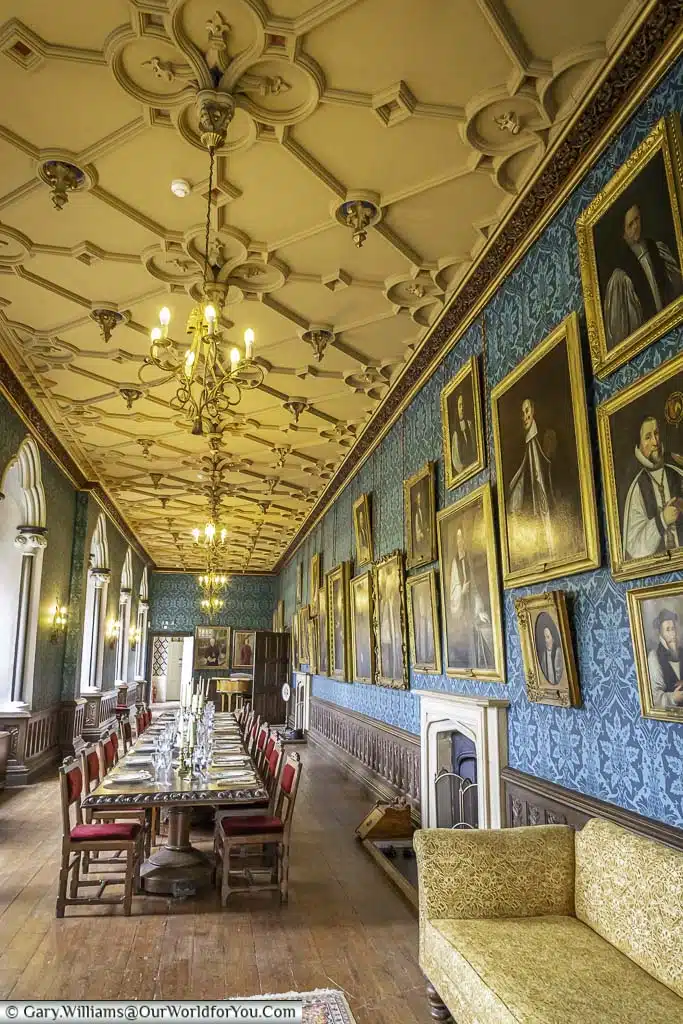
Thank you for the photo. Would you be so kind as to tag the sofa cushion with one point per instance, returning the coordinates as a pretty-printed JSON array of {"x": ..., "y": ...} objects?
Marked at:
[
  {"x": 539, "y": 970},
  {"x": 630, "y": 891}
]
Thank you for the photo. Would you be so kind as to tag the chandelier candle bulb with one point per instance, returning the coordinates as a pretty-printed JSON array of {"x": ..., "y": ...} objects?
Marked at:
[
  {"x": 248, "y": 343},
  {"x": 234, "y": 357}
]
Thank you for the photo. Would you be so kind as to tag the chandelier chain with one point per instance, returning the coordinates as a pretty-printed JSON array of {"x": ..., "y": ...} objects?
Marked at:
[{"x": 212, "y": 157}]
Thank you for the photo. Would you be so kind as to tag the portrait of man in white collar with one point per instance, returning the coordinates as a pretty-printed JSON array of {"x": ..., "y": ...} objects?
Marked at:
[
  {"x": 653, "y": 511},
  {"x": 647, "y": 277}
]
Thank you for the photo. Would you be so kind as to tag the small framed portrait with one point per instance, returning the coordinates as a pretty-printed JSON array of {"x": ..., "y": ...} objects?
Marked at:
[
  {"x": 640, "y": 431},
  {"x": 420, "y": 512},
  {"x": 321, "y": 625},
  {"x": 656, "y": 615},
  {"x": 316, "y": 576},
  {"x": 362, "y": 644},
  {"x": 423, "y": 623},
  {"x": 362, "y": 528},
  {"x": 211, "y": 647},
  {"x": 631, "y": 251},
  {"x": 243, "y": 648},
  {"x": 546, "y": 497},
  {"x": 313, "y": 645},
  {"x": 304, "y": 653},
  {"x": 299, "y": 583},
  {"x": 338, "y": 622},
  {"x": 547, "y": 651},
  {"x": 461, "y": 425},
  {"x": 470, "y": 590},
  {"x": 295, "y": 642},
  {"x": 389, "y": 614}
]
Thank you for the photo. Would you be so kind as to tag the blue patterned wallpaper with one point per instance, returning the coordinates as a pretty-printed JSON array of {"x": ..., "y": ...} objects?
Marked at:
[
  {"x": 605, "y": 748},
  {"x": 174, "y": 602}
]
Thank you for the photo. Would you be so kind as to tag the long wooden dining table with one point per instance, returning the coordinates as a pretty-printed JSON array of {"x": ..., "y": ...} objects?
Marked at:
[{"x": 178, "y": 868}]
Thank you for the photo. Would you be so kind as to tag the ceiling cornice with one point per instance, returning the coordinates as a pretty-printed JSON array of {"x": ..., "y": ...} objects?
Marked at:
[
  {"x": 654, "y": 43},
  {"x": 20, "y": 401},
  {"x": 169, "y": 570}
]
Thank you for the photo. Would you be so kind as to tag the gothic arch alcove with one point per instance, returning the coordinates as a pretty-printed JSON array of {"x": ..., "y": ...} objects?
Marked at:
[
  {"x": 95, "y": 608},
  {"x": 23, "y": 537}
]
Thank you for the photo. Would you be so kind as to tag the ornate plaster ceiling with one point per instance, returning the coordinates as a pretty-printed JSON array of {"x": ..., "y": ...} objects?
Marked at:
[{"x": 434, "y": 114}]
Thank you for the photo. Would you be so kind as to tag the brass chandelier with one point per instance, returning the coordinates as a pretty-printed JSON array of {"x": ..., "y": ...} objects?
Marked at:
[
  {"x": 212, "y": 537},
  {"x": 208, "y": 381}
]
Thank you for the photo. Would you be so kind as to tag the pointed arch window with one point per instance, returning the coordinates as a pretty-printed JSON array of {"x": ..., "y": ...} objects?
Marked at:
[
  {"x": 95, "y": 607},
  {"x": 122, "y": 642},
  {"x": 23, "y": 537},
  {"x": 141, "y": 627}
]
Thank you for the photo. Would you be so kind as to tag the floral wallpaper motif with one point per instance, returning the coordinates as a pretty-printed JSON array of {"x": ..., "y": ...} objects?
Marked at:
[
  {"x": 604, "y": 748},
  {"x": 174, "y": 602}
]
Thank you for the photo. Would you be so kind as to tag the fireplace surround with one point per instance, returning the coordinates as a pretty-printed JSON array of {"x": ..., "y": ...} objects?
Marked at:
[{"x": 483, "y": 720}]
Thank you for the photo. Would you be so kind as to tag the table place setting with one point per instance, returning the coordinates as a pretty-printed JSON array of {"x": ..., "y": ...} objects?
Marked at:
[{"x": 125, "y": 777}]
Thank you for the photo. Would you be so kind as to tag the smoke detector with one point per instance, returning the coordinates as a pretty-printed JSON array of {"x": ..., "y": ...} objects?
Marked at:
[{"x": 180, "y": 188}]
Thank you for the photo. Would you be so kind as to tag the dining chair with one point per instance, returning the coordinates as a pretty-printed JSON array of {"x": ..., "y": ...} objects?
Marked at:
[
  {"x": 251, "y": 739},
  {"x": 94, "y": 767},
  {"x": 259, "y": 749},
  {"x": 79, "y": 838},
  {"x": 126, "y": 734},
  {"x": 271, "y": 832}
]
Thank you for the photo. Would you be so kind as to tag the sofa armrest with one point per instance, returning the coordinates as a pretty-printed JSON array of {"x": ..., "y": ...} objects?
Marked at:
[{"x": 486, "y": 873}]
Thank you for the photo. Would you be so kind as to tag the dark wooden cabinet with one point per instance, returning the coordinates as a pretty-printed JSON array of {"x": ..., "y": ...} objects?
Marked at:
[{"x": 271, "y": 672}]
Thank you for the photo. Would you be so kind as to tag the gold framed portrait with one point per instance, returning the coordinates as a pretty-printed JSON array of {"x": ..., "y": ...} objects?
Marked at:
[
  {"x": 640, "y": 432},
  {"x": 464, "y": 453},
  {"x": 313, "y": 645},
  {"x": 362, "y": 529},
  {"x": 470, "y": 589},
  {"x": 389, "y": 619},
  {"x": 299, "y": 583},
  {"x": 316, "y": 565},
  {"x": 280, "y": 628},
  {"x": 547, "y": 650},
  {"x": 362, "y": 641},
  {"x": 243, "y": 648},
  {"x": 211, "y": 647},
  {"x": 321, "y": 625},
  {"x": 423, "y": 623},
  {"x": 544, "y": 470},
  {"x": 656, "y": 614},
  {"x": 338, "y": 622},
  {"x": 303, "y": 615},
  {"x": 420, "y": 513},
  {"x": 631, "y": 251}
]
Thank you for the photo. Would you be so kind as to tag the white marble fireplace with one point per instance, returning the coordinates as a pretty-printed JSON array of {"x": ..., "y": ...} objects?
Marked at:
[{"x": 484, "y": 721}]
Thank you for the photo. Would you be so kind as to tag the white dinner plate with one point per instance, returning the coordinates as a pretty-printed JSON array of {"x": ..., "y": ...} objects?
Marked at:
[{"x": 120, "y": 777}]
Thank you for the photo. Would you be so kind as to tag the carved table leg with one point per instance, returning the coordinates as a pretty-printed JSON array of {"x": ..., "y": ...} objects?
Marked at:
[{"x": 437, "y": 1007}]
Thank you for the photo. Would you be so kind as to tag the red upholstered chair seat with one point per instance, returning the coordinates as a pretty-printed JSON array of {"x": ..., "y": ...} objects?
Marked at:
[
  {"x": 250, "y": 824},
  {"x": 105, "y": 833}
]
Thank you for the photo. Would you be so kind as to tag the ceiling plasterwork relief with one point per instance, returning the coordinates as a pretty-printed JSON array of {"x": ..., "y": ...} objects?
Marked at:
[{"x": 373, "y": 148}]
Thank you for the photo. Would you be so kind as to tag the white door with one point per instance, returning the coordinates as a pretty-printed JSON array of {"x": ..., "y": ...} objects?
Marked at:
[{"x": 174, "y": 668}]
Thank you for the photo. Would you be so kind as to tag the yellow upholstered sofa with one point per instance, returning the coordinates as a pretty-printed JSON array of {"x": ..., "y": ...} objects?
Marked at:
[{"x": 551, "y": 926}]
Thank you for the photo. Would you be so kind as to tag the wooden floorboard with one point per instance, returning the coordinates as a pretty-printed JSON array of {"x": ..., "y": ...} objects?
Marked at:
[{"x": 345, "y": 926}]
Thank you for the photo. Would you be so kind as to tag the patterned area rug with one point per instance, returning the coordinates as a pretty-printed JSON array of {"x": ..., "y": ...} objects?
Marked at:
[{"x": 323, "y": 1006}]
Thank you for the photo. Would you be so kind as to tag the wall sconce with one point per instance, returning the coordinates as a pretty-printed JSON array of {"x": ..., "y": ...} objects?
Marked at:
[
  {"x": 59, "y": 620},
  {"x": 134, "y": 637},
  {"x": 112, "y": 634}
]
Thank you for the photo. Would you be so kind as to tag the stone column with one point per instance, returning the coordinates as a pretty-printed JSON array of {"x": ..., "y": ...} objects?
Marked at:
[{"x": 30, "y": 540}]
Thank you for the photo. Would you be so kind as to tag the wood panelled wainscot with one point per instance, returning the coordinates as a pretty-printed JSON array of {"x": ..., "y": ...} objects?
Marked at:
[
  {"x": 533, "y": 801},
  {"x": 385, "y": 758}
]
